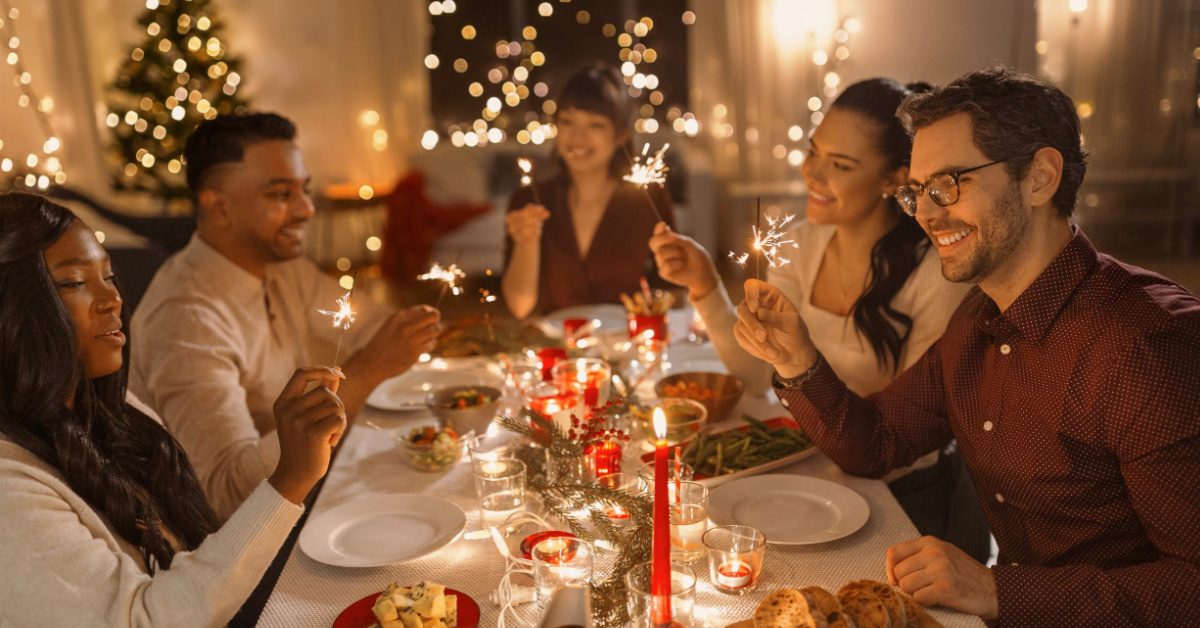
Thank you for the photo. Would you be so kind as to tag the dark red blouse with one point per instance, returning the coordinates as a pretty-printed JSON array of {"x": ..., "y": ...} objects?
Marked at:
[
  {"x": 1077, "y": 411},
  {"x": 619, "y": 254}
]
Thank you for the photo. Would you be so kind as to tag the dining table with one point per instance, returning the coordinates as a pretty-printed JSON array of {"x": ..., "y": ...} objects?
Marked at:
[{"x": 312, "y": 593}]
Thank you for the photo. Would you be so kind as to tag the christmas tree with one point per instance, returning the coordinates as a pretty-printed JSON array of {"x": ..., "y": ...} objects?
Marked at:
[{"x": 181, "y": 73}]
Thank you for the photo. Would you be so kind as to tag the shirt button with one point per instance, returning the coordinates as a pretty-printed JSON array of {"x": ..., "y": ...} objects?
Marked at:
[
  {"x": 987, "y": 426},
  {"x": 1005, "y": 349},
  {"x": 999, "y": 498},
  {"x": 783, "y": 401}
]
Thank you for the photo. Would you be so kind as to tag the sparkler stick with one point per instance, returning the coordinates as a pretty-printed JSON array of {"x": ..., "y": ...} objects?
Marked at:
[
  {"x": 526, "y": 167},
  {"x": 646, "y": 170},
  {"x": 767, "y": 244},
  {"x": 343, "y": 316}
]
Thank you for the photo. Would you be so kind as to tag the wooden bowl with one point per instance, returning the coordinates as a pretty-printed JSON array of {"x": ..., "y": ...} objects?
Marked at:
[{"x": 727, "y": 391}]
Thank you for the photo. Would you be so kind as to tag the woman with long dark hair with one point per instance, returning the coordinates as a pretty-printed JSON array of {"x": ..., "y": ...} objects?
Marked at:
[
  {"x": 864, "y": 276},
  {"x": 102, "y": 521},
  {"x": 579, "y": 238}
]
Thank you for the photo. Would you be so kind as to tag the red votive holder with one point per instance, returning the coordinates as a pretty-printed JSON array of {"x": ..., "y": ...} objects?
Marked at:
[
  {"x": 529, "y": 542},
  {"x": 549, "y": 357},
  {"x": 652, "y": 328},
  {"x": 604, "y": 457}
]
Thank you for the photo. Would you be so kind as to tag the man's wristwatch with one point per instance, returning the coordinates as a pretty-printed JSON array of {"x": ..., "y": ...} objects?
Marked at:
[{"x": 795, "y": 383}]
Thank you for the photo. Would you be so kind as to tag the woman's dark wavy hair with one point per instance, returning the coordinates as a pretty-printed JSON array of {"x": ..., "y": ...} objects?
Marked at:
[
  {"x": 122, "y": 462},
  {"x": 600, "y": 89},
  {"x": 898, "y": 253}
]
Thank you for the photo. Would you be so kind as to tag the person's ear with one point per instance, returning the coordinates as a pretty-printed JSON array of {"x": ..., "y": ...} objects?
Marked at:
[
  {"x": 1044, "y": 176},
  {"x": 212, "y": 205}
]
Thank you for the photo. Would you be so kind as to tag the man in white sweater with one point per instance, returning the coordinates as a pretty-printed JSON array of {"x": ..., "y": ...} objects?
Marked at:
[{"x": 228, "y": 318}]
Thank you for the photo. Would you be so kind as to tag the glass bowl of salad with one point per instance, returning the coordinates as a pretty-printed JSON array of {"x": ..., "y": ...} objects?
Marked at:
[
  {"x": 465, "y": 408},
  {"x": 431, "y": 447}
]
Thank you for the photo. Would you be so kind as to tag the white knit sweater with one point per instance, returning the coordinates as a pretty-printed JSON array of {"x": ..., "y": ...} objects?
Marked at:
[{"x": 64, "y": 566}]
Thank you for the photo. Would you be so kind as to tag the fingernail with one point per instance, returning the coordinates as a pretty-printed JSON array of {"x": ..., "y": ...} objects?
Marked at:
[{"x": 339, "y": 372}]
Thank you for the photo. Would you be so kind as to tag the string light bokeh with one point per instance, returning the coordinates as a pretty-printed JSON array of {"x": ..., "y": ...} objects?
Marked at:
[{"x": 41, "y": 168}]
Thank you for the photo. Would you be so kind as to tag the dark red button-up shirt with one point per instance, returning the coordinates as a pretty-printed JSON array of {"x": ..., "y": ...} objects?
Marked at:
[{"x": 1077, "y": 411}]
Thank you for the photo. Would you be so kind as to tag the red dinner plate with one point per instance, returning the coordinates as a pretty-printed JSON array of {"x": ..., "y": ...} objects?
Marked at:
[
  {"x": 360, "y": 615},
  {"x": 787, "y": 422}
]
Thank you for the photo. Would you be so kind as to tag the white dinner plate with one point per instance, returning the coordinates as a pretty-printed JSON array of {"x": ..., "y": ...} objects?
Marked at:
[
  {"x": 407, "y": 391},
  {"x": 790, "y": 509},
  {"x": 604, "y": 317},
  {"x": 375, "y": 530}
]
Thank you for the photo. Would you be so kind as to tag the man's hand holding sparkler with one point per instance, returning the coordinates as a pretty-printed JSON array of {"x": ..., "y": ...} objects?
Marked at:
[
  {"x": 683, "y": 262},
  {"x": 769, "y": 327},
  {"x": 394, "y": 349}
]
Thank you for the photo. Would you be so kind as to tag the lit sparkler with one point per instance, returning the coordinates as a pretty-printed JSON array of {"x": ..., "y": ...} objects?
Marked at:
[
  {"x": 342, "y": 318},
  {"x": 449, "y": 275},
  {"x": 526, "y": 167},
  {"x": 768, "y": 243},
  {"x": 649, "y": 170}
]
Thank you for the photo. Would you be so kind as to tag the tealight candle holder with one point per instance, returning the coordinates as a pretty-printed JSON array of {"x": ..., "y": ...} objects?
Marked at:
[{"x": 735, "y": 557}]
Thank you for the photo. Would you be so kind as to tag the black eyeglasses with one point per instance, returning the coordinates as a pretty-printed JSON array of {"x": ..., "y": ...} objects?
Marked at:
[{"x": 942, "y": 188}]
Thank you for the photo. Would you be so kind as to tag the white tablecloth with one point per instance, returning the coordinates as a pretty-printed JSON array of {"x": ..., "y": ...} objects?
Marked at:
[{"x": 309, "y": 593}]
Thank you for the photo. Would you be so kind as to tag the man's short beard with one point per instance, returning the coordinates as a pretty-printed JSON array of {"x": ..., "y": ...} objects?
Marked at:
[{"x": 998, "y": 236}]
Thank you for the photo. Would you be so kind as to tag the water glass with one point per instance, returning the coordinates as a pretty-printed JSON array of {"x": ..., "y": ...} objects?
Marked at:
[
  {"x": 486, "y": 448},
  {"x": 560, "y": 562},
  {"x": 689, "y": 521},
  {"x": 640, "y": 602},
  {"x": 500, "y": 486},
  {"x": 735, "y": 557}
]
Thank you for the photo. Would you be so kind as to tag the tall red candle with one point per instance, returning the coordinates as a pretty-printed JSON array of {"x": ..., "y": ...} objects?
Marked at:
[{"x": 660, "y": 567}]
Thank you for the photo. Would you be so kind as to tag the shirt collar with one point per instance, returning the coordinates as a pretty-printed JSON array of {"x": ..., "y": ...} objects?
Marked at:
[
  {"x": 234, "y": 281},
  {"x": 1031, "y": 314}
]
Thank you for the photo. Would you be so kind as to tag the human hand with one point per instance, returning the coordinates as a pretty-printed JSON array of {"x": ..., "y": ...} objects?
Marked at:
[
  {"x": 769, "y": 327},
  {"x": 308, "y": 425},
  {"x": 933, "y": 572},
  {"x": 403, "y": 338},
  {"x": 683, "y": 262},
  {"x": 525, "y": 225}
]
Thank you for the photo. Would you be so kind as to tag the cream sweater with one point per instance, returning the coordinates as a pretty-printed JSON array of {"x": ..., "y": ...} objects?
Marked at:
[
  {"x": 64, "y": 566},
  {"x": 927, "y": 297}
]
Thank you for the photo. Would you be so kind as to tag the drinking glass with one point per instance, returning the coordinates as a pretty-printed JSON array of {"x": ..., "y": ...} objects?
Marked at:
[
  {"x": 640, "y": 602},
  {"x": 689, "y": 521},
  {"x": 500, "y": 486}
]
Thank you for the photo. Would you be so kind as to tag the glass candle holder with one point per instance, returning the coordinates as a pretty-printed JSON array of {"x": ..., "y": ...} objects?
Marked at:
[
  {"x": 485, "y": 448},
  {"x": 640, "y": 602},
  {"x": 560, "y": 562},
  {"x": 588, "y": 378},
  {"x": 624, "y": 483},
  {"x": 735, "y": 557},
  {"x": 549, "y": 356},
  {"x": 604, "y": 457},
  {"x": 500, "y": 486}
]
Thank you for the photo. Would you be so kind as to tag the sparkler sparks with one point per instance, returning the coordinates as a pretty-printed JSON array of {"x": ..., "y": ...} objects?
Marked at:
[
  {"x": 342, "y": 317},
  {"x": 526, "y": 167},
  {"x": 450, "y": 275},
  {"x": 768, "y": 243},
  {"x": 646, "y": 170}
]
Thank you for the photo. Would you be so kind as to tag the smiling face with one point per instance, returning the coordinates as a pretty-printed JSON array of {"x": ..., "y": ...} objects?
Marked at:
[
  {"x": 846, "y": 174},
  {"x": 82, "y": 275},
  {"x": 982, "y": 232},
  {"x": 261, "y": 204},
  {"x": 586, "y": 141}
]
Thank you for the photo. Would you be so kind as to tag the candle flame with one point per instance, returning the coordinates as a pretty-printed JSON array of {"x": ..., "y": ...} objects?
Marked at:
[
  {"x": 647, "y": 170},
  {"x": 660, "y": 424},
  {"x": 450, "y": 275},
  {"x": 342, "y": 317}
]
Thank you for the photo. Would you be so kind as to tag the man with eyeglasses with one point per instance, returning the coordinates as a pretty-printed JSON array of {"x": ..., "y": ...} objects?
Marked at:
[{"x": 1070, "y": 380}]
